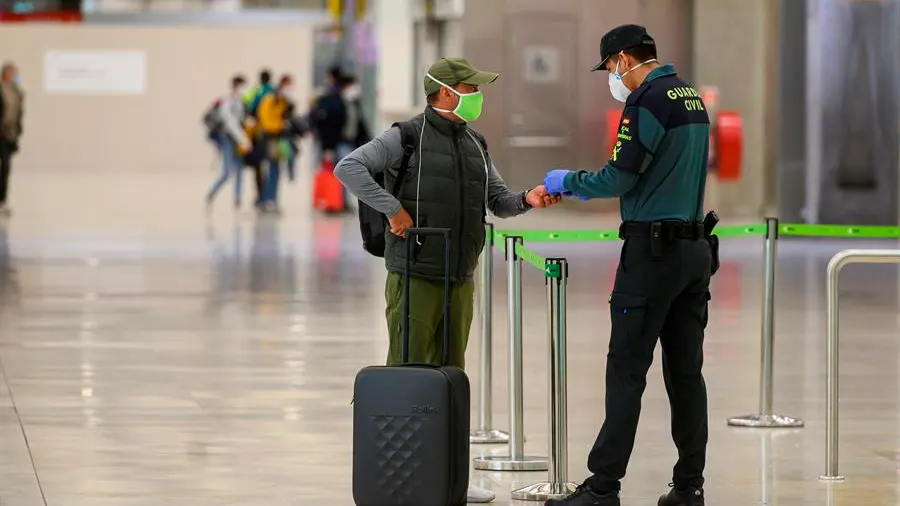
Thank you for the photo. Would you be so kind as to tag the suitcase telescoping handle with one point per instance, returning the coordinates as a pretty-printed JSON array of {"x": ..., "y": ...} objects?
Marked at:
[{"x": 411, "y": 233}]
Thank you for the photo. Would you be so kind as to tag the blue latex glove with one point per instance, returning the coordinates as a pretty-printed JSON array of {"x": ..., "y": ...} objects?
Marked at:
[{"x": 554, "y": 180}]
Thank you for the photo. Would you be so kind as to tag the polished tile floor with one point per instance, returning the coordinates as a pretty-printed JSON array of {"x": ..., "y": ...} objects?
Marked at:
[{"x": 155, "y": 355}]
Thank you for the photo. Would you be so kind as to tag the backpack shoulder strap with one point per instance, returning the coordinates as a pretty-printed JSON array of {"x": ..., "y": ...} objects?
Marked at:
[{"x": 409, "y": 140}]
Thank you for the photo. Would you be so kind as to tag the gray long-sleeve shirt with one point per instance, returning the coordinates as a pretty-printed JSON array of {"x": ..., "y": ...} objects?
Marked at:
[
  {"x": 357, "y": 169},
  {"x": 231, "y": 110}
]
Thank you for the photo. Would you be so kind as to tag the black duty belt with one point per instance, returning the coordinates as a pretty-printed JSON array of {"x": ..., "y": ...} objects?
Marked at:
[{"x": 662, "y": 230}]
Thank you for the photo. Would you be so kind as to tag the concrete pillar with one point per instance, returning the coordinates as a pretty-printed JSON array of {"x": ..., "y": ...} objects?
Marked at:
[
  {"x": 394, "y": 39},
  {"x": 735, "y": 48}
]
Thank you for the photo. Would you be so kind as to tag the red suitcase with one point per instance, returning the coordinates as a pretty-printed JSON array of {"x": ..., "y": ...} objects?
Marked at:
[{"x": 328, "y": 192}]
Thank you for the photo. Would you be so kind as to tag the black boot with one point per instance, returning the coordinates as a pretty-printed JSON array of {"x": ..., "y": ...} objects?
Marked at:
[
  {"x": 584, "y": 496},
  {"x": 689, "y": 496}
]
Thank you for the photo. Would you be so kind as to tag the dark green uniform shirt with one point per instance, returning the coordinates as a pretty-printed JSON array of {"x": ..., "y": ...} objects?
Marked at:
[{"x": 658, "y": 164}]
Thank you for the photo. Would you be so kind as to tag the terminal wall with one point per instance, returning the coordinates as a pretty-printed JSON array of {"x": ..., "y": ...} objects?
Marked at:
[{"x": 159, "y": 130}]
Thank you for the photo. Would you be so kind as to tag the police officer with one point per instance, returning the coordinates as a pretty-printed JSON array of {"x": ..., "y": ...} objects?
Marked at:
[{"x": 658, "y": 170}]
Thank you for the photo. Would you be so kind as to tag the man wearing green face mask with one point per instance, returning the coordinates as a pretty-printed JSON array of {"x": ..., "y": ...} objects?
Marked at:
[{"x": 449, "y": 182}]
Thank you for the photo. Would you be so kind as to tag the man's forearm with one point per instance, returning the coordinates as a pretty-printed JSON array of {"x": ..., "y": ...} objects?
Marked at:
[
  {"x": 376, "y": 156},
  {"x": 356, "y": 177},
  {"x": 503, "y": 202}
]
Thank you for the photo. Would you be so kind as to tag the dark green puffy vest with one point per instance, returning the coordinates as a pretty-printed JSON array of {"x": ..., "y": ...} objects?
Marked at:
[{"x": 448, "y": 193}]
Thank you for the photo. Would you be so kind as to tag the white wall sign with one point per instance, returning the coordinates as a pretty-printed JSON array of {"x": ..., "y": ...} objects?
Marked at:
[
  {"x": 95, "y": 72},
  {"x": 541, "y": 64}
]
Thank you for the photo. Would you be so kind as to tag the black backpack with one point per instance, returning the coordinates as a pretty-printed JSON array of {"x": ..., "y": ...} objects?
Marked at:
[
  {"x": 372, "y": 224},
  {"x": 212, "y": 120}
]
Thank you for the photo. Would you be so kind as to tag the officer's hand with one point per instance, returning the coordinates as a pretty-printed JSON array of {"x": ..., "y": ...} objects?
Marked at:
[
  {"x": 539, "y": 197},
  {"x": 400, "y": 222},
  {"x": 554, "y": 181}
]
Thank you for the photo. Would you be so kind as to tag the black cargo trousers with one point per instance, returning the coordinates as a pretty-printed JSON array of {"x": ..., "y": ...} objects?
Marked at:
[{"x": 661, "y": 294}]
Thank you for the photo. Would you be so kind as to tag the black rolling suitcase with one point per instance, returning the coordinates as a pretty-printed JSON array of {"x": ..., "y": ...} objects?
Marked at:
[{"x": 411, "y": 422}]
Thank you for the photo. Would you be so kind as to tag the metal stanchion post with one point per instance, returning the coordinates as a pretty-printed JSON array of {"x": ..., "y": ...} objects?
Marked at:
[
  {"x": 765, "y": 418},
  {"x": 837, "y": 262},
  {"x": 831, "y": 369},
  {"x": 766, "y": 476},
  {"x": 516, "y": 460},
  {"x": 485, "y": 433},
  {"x": 557, "y": 271}
]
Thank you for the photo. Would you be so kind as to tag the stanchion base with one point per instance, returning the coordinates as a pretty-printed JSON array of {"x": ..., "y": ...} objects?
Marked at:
[
  {"x": 544, "y": 491},
  {"x": 488, "y": 437},
  {"x": 766, "y": 422},
  {"x": 831, "y": 479},
  {"x": 507, "y": 463}
]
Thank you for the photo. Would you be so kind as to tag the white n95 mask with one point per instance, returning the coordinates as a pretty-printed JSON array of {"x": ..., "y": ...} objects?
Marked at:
[{"x": 617, "y": 87}]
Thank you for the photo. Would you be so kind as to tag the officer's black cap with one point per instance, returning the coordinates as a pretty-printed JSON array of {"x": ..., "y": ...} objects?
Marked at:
[{"x": 621, "y": 38}]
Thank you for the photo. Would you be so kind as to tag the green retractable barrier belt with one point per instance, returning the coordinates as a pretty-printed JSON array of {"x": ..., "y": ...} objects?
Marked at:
[
  {"x": 529, "y": 236},
  {"x": 740, "y": 230},
  {"x": 837, "y": 231},
  {"x": 724, "y": 231},
  {"x": 531, "y": 257}
]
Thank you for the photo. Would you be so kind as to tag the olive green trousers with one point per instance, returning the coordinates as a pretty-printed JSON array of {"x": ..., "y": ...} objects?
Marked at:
[{"x": 426, "y": 320}]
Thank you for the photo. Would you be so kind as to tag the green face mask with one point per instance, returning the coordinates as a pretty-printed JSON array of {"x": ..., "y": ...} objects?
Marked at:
[{"x": 470, "y": 104}]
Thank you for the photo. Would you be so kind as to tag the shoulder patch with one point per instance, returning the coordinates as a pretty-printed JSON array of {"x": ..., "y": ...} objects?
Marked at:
[{"x": 628, "y": 152}]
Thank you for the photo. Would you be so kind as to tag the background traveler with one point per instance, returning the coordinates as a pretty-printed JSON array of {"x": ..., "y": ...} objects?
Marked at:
[
  {"x": 356, "y": 130},
  {"x": 256, "y": 157},
  {"x": 12, "y": 108},
  {"x": 329, "y": 116},
  {"x": 233, "y": 141},
  {"x": 273, "y": 124},
  {"x": 253, "y": 96}
]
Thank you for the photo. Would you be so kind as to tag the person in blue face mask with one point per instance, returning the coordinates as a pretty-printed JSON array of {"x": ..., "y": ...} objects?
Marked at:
[
  {"x": 12, "y": 107},
  {"x": 658, "y": 171}
]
